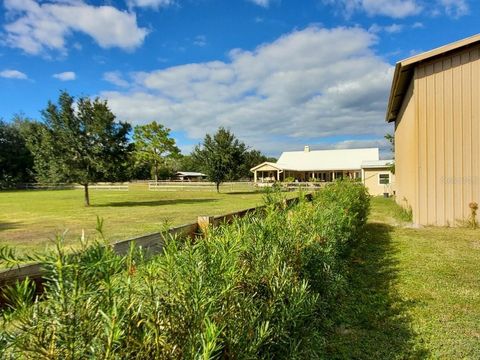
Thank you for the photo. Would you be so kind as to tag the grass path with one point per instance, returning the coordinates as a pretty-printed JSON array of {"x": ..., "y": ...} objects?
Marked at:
[{"x": 415, "y": 293}]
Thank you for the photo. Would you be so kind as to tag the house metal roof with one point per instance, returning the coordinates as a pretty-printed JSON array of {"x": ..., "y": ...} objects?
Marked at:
[
  {"x": 377, "y": 164},
  {"x": 404, "y": 72},
  {"x": 274, "y": 165},
  {"x": 326, "y": 160}
]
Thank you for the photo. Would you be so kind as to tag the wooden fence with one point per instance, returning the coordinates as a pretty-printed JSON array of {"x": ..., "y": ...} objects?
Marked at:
[
  {"x": 197, "y": 186},
  {"x": 94, "y": 186},
  {"x": 151, "y": 243}
]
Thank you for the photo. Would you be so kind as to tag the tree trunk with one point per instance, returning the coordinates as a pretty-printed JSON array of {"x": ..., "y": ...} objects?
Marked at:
[
  {"x": 218, "y": 187},
  {"x": 155, "y": 167},
  {"x": 87, "y": 196}
]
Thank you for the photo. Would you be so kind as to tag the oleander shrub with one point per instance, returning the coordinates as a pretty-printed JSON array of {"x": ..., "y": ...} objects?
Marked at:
[{"x": 259, "y": 288}]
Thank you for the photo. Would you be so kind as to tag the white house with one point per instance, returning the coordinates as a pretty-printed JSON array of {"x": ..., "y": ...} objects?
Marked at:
[
  {"x": 328, "y": 165},
  {"x": 315, "y": 165}
]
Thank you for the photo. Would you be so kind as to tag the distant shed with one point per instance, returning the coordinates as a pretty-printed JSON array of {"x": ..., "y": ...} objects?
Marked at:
[
  {"x": 190, "y": 176},
  {"x": 435, "y": 105}
]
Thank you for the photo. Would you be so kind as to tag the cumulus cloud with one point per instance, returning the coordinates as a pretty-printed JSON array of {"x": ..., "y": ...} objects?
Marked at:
[
  {"x": 115, "y": 78},
  {"x": 13, "y": 74},
  {"x": 391, "y": 8},
  {"x": 65, "y": 76},
  {"x": 401, "y": 8},
  {"x": 262, "y": 3},
  {"x": 455, "y": 8},
  {"x": 38, "y": 27},
  {"x": 310, "y": 83},
  {"x": 390, "y": 29},
  {"x": 155, "y": 4},
  {"x": 200, "y": 40}
]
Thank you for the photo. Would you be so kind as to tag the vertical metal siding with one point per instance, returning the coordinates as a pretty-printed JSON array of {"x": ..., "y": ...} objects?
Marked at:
[
  {"x": 447, "y": 97},
  {"x": 406, "y": 156}
]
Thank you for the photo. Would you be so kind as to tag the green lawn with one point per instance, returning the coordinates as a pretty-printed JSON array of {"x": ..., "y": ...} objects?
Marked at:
[
  {"x": 415, "y": 293},
  {"x": 29, "y": 219}
]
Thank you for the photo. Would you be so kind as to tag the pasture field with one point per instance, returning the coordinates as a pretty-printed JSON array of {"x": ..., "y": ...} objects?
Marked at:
[
  {"x": 29, "y": 219},
  {"x": 415, "y": 293}
]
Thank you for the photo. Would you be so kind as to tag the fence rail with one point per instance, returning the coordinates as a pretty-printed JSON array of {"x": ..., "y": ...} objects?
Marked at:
[{"x": 196, "y": 185}]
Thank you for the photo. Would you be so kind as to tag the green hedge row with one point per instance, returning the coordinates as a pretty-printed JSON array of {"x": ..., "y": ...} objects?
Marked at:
[{"x": 258, "y": 288}]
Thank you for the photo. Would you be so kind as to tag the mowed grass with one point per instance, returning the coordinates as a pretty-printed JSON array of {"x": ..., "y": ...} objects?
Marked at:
[
  {"x": 30, "y": 219},
  {"x": 415, "y": 293}
]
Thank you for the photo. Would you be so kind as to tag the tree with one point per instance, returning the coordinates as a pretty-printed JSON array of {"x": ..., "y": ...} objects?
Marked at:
[
  {"x": 154, "y": 146},
  {"x": 253, "y": 158},
  {"x": 16, "y": 161},
  {"x": 188, "y": 163},
  {"x": 221, "y": 156},
  {"x": 391, "y": 139},
  {"x": 79, "y": 143}
]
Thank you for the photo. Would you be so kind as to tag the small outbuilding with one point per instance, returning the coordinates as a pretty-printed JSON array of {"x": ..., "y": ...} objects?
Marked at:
[
  {"x": 435, "y": 106},
  {"x": 378, "y": 177},
  {"x": 190, "y": 176}
]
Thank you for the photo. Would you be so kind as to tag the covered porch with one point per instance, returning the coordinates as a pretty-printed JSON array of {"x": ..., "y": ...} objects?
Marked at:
[
  {"x": 267, "y": 173},
  {"x": 271, "y": 172},
  {"x": 321, "y": 176}
]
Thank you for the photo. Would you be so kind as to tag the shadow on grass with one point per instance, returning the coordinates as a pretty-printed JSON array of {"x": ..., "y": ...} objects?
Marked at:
[
  {"x": 372, "y": 321},
  {"x": 9, "y": 225},
  {"x": 233, "y": 192},
  {"x": 154, "y": 202}
]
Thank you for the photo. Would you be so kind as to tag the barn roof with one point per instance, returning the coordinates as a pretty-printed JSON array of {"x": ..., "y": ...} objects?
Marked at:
[{"x": 404, "y": 72}]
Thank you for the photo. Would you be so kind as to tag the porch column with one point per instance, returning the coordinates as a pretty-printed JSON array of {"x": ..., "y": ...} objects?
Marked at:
[
  {"x": 255, "y": 176},
  {"x": 333, "y": 175}
]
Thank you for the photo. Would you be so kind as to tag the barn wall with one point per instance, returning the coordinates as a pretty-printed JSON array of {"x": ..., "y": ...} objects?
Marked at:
[
  {"x": 406, "y": 154},
  {"x": 447, "y": 96}
]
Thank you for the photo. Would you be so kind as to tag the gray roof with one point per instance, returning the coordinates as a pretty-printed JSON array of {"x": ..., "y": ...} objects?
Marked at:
[
  {"x": 189, "y": 173},
  {"x": 377, "y": 164}
]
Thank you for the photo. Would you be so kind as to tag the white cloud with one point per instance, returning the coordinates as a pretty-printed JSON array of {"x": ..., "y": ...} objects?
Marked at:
[
  {"x": 401, "y": 8},
  {"x": 312, "y": 83},
  {"x": 65, "y": 76},
  {"x": 391, "y": 29},
  {"x": 394, "y": 28},
  {"x": 155, "y": 4},
  {"x": 13, "y": 74},
  {"x": 38, "y": 27},
  {"x": 200, "y": 40},
  {"x": 455, "y": 8},
  {"x": 391, "y": 8},
  {"x": 115, "y": 78},
  {"x": 262, "y": 3}
]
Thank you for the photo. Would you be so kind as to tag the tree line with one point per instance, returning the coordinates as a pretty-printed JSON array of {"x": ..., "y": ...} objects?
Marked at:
[{"x": 81, "y": 141}]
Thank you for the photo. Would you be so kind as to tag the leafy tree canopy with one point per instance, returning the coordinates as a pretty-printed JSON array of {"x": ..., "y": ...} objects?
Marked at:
[
  {"x": 79, "y": 142},
  {"x": 154, "y": 146},
  {"x": 16, "y": 161},
  {"x": 253, "y": 158},
  {"x": 221, "y": 156}
]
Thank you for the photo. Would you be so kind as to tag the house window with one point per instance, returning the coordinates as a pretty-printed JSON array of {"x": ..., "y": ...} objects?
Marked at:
[{"x": 384, "y": 179}]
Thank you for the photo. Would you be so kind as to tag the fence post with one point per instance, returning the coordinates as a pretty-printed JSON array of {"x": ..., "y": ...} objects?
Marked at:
[{"x": 204, "y": 223}]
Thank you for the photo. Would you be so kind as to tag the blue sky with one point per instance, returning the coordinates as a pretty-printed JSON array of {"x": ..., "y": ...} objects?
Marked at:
[{"x": 279, "y": 73}]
